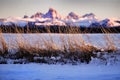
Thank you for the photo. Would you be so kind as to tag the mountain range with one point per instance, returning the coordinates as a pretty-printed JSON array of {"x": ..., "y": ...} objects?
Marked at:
[{"x": 52, "y": 17}]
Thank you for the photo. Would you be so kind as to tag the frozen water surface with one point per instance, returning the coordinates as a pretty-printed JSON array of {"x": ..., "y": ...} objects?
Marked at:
[{"x": 59, "y": 72}]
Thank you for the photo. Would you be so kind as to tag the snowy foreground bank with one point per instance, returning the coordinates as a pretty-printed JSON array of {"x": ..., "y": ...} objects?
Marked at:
[
  {"x": 22, "y": 57},
  {"x": 59, "y": 72}
]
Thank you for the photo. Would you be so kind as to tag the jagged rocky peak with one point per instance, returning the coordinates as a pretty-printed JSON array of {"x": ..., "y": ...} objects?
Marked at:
[
  {"x": 52, "y": 13},
  {"x": 90, "y": 15},
  {"x": 2, "y": 19},
  {"x": 73, "y": 16},
  {"x": 37, "y": 15},
  {"x": 106, "y": 20},
  {"x": 52, "y": 10},
  {"x": 25, "y": 16},
  {"x": 117, "y": 21}
]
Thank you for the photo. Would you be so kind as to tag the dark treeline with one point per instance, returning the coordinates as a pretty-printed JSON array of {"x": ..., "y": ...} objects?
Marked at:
[{"x": 58, "y": 29}]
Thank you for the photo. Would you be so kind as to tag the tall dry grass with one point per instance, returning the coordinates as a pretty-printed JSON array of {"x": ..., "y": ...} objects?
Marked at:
[
  {"x": 69, "y": 45},
  {"x": 75, "y": 48},
  {"x": 110, "y": 43},
  {"x": 3, "y": 44}
]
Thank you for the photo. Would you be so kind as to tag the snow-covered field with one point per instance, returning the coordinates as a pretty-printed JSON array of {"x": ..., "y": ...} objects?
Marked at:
[{"x": 59, "y": 72}]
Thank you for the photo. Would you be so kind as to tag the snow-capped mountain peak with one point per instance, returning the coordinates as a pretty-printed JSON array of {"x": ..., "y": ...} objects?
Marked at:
[
  {"x": 53, "y": 14},
  {"x": 73, "y": 15}
]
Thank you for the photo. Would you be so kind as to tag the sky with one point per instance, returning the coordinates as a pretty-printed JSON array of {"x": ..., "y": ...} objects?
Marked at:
[{"x": 101, "y": 8}]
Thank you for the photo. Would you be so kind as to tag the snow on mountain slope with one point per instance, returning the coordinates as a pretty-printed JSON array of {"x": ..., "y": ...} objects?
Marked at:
[
  {"x": 14, "y": 20},
  {"x": 51, "y": 23},
  {"x": 118, "y": 21},
  {"x": 28, "y": 19},
  {"x": 85, "y": 23},
  {"x": 113, "y": 22},
  {"x": 52, "y": 17}
]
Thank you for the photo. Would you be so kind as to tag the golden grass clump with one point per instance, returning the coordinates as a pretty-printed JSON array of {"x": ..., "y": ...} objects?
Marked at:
[{"x": 3, "y": 45}]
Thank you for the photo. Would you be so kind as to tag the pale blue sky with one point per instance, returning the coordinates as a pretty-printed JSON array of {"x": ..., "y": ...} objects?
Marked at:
[{"x": 102, "y": 8}]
